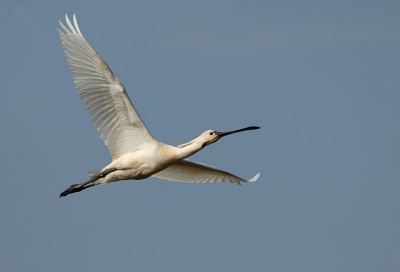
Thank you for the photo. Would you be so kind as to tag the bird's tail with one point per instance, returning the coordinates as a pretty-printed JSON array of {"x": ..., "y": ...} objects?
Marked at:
[{"x": 96, "y": 173}]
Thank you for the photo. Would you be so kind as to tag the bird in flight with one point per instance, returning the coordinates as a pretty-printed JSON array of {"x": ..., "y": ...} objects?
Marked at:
[{"x": 136, "y": 153}]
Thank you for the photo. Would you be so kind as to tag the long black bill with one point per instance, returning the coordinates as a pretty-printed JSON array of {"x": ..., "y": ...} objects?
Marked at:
[{"x": 222, "y": 134}]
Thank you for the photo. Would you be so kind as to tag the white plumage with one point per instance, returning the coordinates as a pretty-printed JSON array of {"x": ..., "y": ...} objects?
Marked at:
[{"x": 136, "y": 154}]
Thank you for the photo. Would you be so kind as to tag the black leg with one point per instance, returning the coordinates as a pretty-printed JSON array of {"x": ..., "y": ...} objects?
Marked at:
[{"x": 74, "y": 188}]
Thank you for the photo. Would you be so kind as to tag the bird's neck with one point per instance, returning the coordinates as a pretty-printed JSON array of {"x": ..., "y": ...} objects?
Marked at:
[{"x": 186, "y": 150}]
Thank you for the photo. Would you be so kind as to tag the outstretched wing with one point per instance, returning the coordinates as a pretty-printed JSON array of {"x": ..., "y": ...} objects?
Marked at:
[
  {"x": 193, "y": 172},
  {"x": 118, "y": 123}
]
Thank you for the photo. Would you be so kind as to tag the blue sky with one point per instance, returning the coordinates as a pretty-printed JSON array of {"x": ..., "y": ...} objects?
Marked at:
[{"x": 321, "y": 79}]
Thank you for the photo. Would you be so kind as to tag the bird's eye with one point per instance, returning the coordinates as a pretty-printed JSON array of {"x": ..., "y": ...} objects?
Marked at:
[{"x": 211, "y": 133}]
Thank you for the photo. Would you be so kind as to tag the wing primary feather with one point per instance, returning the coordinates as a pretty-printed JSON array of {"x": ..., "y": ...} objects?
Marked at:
[
  {"x": 255, "y": 178},
  {"x": 76, "y": 25},
  {"x": 69, "y": 24},
  {"x": 65, "y": 29}
]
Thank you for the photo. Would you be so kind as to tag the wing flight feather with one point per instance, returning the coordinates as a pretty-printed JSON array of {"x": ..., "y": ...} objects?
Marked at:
[
  {"x": 194, "y": 172},
  {"x": 104, "y": 96}
]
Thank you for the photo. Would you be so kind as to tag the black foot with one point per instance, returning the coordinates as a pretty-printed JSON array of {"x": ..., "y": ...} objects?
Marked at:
[{"x": 74, "y": 188}]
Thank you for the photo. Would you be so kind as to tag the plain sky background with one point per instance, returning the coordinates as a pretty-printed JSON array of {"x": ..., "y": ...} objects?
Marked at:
[{"x": 322, "y": 80}]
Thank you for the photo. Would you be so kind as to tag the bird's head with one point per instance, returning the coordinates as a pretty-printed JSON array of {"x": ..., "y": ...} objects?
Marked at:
[{"x": 211, "y": 136}]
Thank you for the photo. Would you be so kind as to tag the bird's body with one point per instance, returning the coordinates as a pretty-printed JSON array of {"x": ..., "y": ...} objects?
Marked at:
[
  {"x": 143, "y": 163},
  {"x": 136, "y": 153}
]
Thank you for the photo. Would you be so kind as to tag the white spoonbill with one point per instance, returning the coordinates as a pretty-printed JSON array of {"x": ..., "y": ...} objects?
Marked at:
[{"x": 136, "y": 154}]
